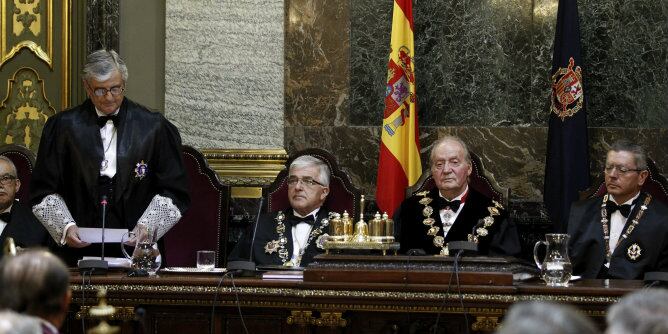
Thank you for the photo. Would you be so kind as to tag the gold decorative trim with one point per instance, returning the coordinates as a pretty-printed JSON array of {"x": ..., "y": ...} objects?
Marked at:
[
  {"x": 486, "y": 324},
  {"x": 300, "y": 318},
  {"x": 191, "y": 296},
  {"x": 123, "y": 313},
  {"x": 246, "y": 167},
  {"x": 65, "y": 52},
  {"x": 31, "y": 45},
  {"x": 330, "y": 319}
]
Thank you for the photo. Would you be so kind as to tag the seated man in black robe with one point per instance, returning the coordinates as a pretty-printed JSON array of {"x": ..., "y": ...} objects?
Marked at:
[
  {"x": 624, "y": 233},
  {"x": 16, "y": 219},
  {"x": 453, "y": 211},
  {"x": 108, "y": 150},
  {"x": 293, "y": 236}
]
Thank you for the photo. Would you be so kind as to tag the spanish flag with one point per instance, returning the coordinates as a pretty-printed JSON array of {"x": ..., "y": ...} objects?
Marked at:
[{"x": 399, "y": 164}]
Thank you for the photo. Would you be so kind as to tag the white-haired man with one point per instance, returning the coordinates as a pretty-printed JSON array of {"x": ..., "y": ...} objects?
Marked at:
[
  {"x": 290, "y": 237},
  {"x": 108, "y": 149}
]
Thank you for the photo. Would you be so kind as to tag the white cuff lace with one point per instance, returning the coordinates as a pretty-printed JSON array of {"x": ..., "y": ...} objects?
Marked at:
[
  {"x": 161, "y": 214},
  {"x": 53, "y": 213}
]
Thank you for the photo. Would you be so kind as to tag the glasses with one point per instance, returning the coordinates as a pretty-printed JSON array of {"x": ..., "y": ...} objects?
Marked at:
[
  {"x": 6, "y": 179},
  {"x": 620, "y": 169},
  {"x": 115, "y": 91},
  {"x": 307, "y": 181}
]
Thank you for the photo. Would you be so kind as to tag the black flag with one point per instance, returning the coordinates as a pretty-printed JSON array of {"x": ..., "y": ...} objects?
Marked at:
[{"x": 567, "y": 165}]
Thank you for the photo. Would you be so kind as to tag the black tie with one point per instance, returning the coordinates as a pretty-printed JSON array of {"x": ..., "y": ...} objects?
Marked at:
[
  {"x": 453, "y": 205},
  {"x": 624, "y": 209},
  {"x": 102, "y": 120},
  {"x": 294, "y": 220},
  {"x": 6, "y": 216}
]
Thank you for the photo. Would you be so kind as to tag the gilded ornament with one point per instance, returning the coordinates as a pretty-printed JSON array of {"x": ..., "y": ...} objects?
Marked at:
[
  {"x": 271, "y": 247},
  {"x": 425, "y": 200},
  {"x": 633, "y": 252},
  {"x": 433, "y": 230},
  {"x": 428, "y": 221},
  {"x": 427, "y": 211}
]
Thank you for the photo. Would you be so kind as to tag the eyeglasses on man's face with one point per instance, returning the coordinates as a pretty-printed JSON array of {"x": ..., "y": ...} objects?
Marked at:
[
  {"x": 622, "y": 170},
  {"x": 307, "y": 181},
  {"x": 115, "y": 91},
  {"x": 6, "y": 179}
]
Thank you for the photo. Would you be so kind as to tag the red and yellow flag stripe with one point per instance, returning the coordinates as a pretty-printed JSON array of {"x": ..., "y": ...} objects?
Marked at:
[{"x": 399, "y": 164}]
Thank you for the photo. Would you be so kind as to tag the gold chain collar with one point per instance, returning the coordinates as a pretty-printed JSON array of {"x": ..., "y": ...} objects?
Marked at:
[
  {"x": 279, "y": 245},
  {"x": 439, "y": 241},
  {"x": 629, "y": 229}
]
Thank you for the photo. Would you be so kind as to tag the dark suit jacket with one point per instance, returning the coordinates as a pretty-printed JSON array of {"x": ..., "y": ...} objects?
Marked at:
[
  {"x": 70, "y": 154},
  {"x": 266, "y": 232},
  {"x": 503, "y": 238},
  {"x": 24, "y": 228},
  {"x": 587, "y": 246}
]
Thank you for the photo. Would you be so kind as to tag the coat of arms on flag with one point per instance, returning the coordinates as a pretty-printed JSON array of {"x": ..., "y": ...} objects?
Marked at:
[{"x": 567, "y": 90}]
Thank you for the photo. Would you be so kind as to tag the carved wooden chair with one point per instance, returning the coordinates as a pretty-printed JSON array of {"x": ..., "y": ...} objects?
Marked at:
[
  {"x": 24, "y": 160},
  {"x": 480, "y": 180},
  {"x": 655, "y": 185},
  {"x": 204, "y": 224},
  {"x": 342, "y": 194}
]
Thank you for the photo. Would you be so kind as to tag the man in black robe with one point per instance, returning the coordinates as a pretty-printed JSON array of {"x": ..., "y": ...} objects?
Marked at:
[
  {"x": 293, "y": 236},
  {"x": 16, "y": 220},
  {"x": 452, "y": 211},
  {"x": 624, "y": 233},
  {"x": 108, "y": 150}
]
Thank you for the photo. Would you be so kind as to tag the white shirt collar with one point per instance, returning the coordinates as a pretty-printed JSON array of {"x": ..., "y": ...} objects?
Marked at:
[
  {"x": 313, "y": 213},
  {"x": 630, "y": 201}
]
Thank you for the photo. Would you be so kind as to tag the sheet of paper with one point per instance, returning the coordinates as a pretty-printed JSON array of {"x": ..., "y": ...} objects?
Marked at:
[
  {"x": 94, "y": 235},
  {"x": 114, "y": 262}
]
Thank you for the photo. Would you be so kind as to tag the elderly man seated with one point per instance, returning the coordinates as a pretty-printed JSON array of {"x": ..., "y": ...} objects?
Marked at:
[
  {"x": 16, "y": 219},
  {"x": 453, "y": 211},
  {"x": 291, "y": 237}
]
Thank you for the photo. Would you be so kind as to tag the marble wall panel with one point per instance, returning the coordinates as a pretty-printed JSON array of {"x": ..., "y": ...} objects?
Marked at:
[
  {"x": 317, "y": 62},
  {"x": 224, "y": 72},
  {"x": 487, "y": 63}
]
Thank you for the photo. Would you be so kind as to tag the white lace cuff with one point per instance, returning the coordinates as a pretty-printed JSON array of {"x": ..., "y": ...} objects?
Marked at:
[
  {"x": 53, "y": 213},
  {"x": 161, "y": 214}
]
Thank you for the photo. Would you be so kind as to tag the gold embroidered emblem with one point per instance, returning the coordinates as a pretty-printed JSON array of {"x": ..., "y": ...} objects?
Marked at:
[
  {"x": 493, "y": 211},
  {"x": 427, "y": 211},
  {"x": 271, "y": 247},
  {"x": 422, "y": 193},
  {"x": 633, "y": 252},
  {"x": 433, "y": 230}
]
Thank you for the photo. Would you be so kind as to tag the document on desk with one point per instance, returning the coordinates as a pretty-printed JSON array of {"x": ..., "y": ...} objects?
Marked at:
[{"x": 94, "y": 235}]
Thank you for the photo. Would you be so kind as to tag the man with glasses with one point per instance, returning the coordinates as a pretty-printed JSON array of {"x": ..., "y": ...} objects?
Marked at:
[
  {"x": 107, "y": 152},
  {"x": 624, "y": 233},
  {"x": 453, "y": 211},
  {"x": 293, "y": 236},
  {"x": 16, "y": 219}
]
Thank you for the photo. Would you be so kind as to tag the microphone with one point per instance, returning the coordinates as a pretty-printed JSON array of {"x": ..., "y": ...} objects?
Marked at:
[
  {"x": 247, "y": 268},
  {"x": 95, "y": 266},
  {"x": 466, "y": 246}
]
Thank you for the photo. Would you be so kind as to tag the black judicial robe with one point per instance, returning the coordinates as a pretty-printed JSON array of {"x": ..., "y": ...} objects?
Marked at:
[
  {"x": 24, "y": 228},
  {"x": 502, "y": 240},
  {"x": 587, "y": 245},
  {"x": 266, "y": 232},
  {"x": 71, "y": 152}
]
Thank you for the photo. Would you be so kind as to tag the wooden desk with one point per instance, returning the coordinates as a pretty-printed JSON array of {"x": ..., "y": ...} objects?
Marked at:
[{"x": 183, "y": 304}]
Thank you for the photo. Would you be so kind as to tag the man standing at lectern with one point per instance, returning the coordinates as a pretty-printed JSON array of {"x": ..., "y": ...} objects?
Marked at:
[
  {"x": 292, "y": 237},
  {"x": 109, "y": 148},
  {"x": 453, "y": 211},
  {"x": 624, "y": 233}
]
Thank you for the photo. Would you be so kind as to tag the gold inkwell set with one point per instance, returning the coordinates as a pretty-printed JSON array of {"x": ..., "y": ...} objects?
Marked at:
[{"x": 378, "y": 234}]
